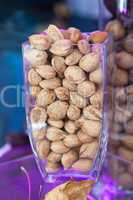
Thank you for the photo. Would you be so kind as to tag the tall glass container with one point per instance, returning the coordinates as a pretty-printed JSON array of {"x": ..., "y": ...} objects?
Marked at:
[
  {"x": 121, "y": 139},
  {"x": 68, "y": 99}
]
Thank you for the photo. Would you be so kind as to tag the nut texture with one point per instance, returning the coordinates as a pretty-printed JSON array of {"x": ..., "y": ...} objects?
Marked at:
[
  {"x": 78, "y": 100},
  {"x": 97, "y": 99},
  {"x": 73, "y": 112},
  {"x": 36, "y": 57},
  {"x": 57, "y": 110},
  {"x": 73, "y": 58},
  {"x": 58, "y": 63},
  {"x": 89, "y": 150},
  {"x": 55, "y": 134},
  {"x": 74, "y": 74},
  {"x": 84, "y": 46},
  {"x": 89, "y": 62},
  {"x": 72, "y": 141},
  {"x": 61, "y": 47},
  {"x": 45, "y": 97},
  {"x": 51, "y": 83},
  {"x": 62, "y": 93},
  {"x": 92, "y": 128},
  {"x": 38, "y": 115},
  {"x": 39, "y": 134},
  {"x": 83, "y": 137},
  {"x": 46, "y": 71},
  {"x": 69, "y": 158},
  {"x": 91, "y": 112},
  {"x": 86, "y": 88},
  {"x": 54, "y": 157},
  {"x": 52, "y": 167},
  {"x": 82, "y": 164},
  {"x": 54, "y": 33},
  {"x": 55, "y": 123},
  {"x": 59, "y": 147},
  {"x": 70, "y": 127},
  {"x": 96, "y": 76},
  {"x": 70, "y": 85},
  {"x": 34, "y": 90},
  {"x": 43, "y": 147},
  {"x": 40, "y": 41},
  {"x": 33, "y": 77}
]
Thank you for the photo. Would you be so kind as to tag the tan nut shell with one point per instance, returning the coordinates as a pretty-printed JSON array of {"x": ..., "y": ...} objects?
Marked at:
[
  {"x": 75, "y": 74},
  {"x": 54, "y": 157},
  {"x": 78, "y": 100},
  {"x": 52, "y": 167},
  {"x": 70, "y": 127},
  {"x": 42, "y": 148},
  {"x": 38, "y": 115},
  {"x": 82, "y": 165},
  {"x": 36, "y": 57},
  {"x": 61, "y": 47},
  {"x": 40, "y": 41},
  {"x": 97, "y": 99},
  {"x": 89, "y": 62},
  {"x": 75, "y": 34},
  {"x": 57, "y": 110},
  {"x": 55, "y": 123},
  {"x": 62, "y": 93},
  {"x": 121, "y": 77},
  {"x": 116, "y": 28},
  {"x": 86, "y": 88},
  {"x": 90, "y": 127},
  {"x": 55, "y": 134},
  {"x": 125, "y": 154},
  {"x": 89, "y": 150},
  {"x": 124, "y": 60},
  {"x": 33, "y": 77},
  {"x": 96, "y": 76},
  {"x": 69, "y": 158},
  {"x": 73, "y": 112},
  {"x": 51, "y": 83},
  {"x": 39, "y": 134},
  {"x": 45, "y": 97},
  {"x": 72, "y": 141},
  {"x": 34, "y": 90},
  {"x": 54, "y": 33},
  {"x": 59, "y": 147},
  {"x": 91, "y": 112},
  {"x": 68, "y": 84},
  {"x": 73, "y": 58},
  {"x": 46, "y": 71},
  {"x": 83, "y": 137},
  {"x": 84, "y": 46},
  {"x": 58, "y": 63}
]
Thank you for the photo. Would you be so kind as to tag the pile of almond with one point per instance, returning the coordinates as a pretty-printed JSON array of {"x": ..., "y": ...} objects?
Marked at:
[
  {"x": 121, "y": 141},
  {"x": 65, "y": 88}
]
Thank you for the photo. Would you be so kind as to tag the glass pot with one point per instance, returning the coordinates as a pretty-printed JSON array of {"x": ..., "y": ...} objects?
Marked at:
[
  {"x": 121, "y": 139},
  {"x": 69, "y": 132}
]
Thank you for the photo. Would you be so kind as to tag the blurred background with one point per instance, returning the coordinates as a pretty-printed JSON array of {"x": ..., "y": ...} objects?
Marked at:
[{"x": 19, "y": 19}]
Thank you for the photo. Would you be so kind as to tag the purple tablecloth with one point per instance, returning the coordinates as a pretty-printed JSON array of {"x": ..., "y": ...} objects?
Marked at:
[{"x": 13, "y": 182}]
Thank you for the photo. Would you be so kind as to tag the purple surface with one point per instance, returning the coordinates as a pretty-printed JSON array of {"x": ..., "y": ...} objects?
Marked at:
[
  {"x": 13, "y": 182},
  {"x": 16, "y": 152}
]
